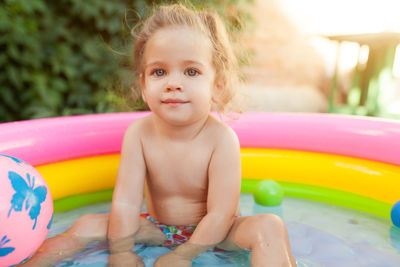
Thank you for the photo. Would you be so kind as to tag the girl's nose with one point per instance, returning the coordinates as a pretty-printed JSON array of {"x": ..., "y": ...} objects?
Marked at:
[
  {"x": 173, "y": 84},
  {"x": 171, "y": 88}
]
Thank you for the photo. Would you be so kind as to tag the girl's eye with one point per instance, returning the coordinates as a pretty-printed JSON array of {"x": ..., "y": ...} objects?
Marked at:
[
  {"x": 192, "y": 72},
  {"x": 158, "y": 72}
]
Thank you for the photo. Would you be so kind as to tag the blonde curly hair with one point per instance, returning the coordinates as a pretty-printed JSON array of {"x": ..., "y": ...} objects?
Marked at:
[{"x": 207, "y": 22}]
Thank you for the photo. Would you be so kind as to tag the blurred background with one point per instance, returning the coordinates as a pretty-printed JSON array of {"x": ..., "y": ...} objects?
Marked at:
[{"x": 71, "y": 57}]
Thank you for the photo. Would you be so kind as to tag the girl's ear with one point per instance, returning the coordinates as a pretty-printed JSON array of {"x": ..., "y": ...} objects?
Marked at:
[
  {"x": 219, "y": 85},
  {"x": 219, "y": 88},
  {"x": 141, "y": 80},
  {"x": 142, "y": 86},
  {"x": 144, "y": 97}
]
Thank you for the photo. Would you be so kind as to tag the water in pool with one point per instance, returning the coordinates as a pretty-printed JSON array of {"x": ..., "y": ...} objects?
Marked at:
[{"x": 320, "y": 235}]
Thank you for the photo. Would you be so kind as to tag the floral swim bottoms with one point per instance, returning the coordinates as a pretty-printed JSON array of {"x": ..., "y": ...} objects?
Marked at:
[{"x": 176, "y": 235}]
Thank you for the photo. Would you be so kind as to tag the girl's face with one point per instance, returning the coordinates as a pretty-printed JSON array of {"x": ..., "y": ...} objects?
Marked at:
[{"x": 178, "y": 77}]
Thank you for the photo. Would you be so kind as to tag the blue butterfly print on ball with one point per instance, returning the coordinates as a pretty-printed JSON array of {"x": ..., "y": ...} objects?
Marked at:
[
  {"x": 14, "y": 159},
  {"x": 26, "y": 193},
  {"x": 51, "y": 220},
  {"x": 5, "y": 251}
]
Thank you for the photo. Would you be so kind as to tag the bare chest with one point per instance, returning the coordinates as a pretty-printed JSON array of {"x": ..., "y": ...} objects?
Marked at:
[{"x": 177, "y": 169}]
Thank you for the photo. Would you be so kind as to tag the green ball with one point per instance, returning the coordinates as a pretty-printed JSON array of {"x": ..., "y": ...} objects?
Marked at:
[{"x": 268, "y": 193}]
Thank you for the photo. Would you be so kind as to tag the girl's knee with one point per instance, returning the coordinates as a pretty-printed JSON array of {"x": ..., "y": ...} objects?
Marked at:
[
  {"x": 268, "y": 221},
  {"x": 90, "y": 225},
  {"x": 89, "y": 220}
]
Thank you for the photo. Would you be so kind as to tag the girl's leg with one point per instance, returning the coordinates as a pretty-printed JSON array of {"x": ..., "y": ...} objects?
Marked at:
[
  {"x": 265, "y": 235},
  {"x": 88, "y": 228},
  {"x": 93, "y": 227}
]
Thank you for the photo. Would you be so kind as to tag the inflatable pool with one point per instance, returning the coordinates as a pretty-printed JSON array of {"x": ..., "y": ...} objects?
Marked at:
[{"x": 347, "y": 161}]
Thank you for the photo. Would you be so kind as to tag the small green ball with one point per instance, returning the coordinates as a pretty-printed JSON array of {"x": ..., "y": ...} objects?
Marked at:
[{"x": 268, "y": 193}]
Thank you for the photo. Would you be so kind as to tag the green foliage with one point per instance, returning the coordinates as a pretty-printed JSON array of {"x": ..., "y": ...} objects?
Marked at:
[{"x": 71, "y": 57}]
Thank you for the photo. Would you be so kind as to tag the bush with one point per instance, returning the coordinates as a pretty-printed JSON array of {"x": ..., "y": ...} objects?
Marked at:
[{"x": 71, "y": 57}]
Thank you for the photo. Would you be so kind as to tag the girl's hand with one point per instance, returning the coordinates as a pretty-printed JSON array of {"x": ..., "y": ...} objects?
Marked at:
[
  {"x": 122, "y": 259},
  {"x": 173, "y": 259}
]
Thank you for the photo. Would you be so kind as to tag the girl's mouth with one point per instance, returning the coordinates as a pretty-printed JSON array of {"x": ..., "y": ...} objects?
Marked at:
[{"x": 174, "y": 101}]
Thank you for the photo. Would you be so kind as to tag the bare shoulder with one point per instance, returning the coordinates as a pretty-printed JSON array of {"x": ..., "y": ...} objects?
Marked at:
[
  {"x": 222, "y": 134},
  {"x": 136, "y": 129}
]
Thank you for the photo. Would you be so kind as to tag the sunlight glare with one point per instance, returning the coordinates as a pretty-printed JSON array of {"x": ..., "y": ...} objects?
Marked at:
[{"x": 344, "y": 16}]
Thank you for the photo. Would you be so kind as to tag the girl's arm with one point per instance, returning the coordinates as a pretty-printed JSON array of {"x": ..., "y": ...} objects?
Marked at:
[
  {"x": 224, "y": 179},
  {"x": 128, "y": 193}
]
